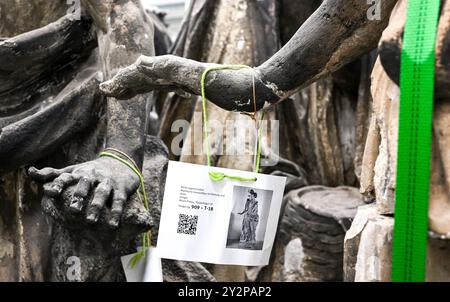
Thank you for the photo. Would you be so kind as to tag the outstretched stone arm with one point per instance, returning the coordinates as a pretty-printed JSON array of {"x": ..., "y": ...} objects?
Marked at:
[{"x": 338, "y": 32}]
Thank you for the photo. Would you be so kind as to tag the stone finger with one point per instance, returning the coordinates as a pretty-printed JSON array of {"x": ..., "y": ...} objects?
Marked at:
[{"x": 101, "y": 195}]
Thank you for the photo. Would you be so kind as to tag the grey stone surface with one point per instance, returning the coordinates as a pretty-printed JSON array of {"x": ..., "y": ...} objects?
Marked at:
[
  {"x": 368, "y": 249},
  {"x": 309, "y": 245}
]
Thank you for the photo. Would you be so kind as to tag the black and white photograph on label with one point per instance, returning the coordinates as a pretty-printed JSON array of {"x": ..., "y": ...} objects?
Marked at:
[{"x": 248, "y": 219}]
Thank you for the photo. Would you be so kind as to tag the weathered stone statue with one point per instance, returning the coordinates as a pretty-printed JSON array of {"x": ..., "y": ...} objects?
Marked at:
[
  {"x": 53, "y": 114},
  {"x": 250, "y": 222}
]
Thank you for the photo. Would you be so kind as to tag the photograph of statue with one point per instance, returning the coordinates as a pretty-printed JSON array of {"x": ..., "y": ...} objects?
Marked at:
[
  {"x": 248, "y": 219},
  {"x": 251, "y": 218}
]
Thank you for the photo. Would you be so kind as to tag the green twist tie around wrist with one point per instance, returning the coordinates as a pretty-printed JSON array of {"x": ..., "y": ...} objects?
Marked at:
[
  {"x": 219, "y": 176},
  {"x": 146, "y": 237}
]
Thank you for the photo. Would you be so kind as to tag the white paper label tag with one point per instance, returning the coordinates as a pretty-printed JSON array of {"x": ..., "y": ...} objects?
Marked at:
[
  {"x": 148, "y": 268},
  {"x": 226, "y": 222}
]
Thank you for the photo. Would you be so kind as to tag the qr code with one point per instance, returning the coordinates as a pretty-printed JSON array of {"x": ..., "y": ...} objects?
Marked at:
[{"x": 187, "y": 224}]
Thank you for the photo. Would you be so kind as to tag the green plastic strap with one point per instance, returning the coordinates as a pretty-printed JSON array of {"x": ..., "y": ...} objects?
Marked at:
[
  {"x": 219, "y": 176},
  {"x": 414, "y": 142},
  {"x": 146, "y": 242}
]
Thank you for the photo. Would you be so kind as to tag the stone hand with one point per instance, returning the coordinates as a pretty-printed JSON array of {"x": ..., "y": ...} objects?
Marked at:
[
  {"x": 85, "y": 189},
  {"x": 148, "y": 74}
]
